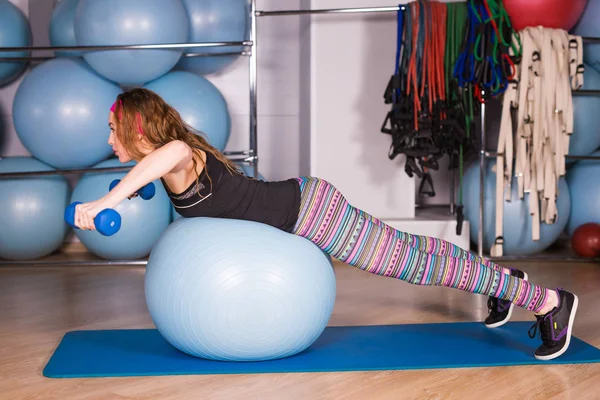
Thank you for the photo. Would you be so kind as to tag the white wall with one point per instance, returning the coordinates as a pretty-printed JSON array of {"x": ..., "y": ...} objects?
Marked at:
[
  {"x": 278, "y": 94},
  {"x": 352, "y": 59}
]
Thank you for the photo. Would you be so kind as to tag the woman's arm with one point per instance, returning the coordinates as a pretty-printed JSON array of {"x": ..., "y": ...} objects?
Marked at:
[{"x": 171, "y": 157}]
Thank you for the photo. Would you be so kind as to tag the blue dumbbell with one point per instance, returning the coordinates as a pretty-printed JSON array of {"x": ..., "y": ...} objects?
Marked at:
[
  {"x": 107, "y": 222},
  {"x": 146, "y": 193}
]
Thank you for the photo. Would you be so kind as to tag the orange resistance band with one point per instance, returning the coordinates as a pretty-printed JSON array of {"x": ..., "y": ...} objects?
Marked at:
[
  {"x": 433, "y": 78},
  {"x": 412, "y": 65}
]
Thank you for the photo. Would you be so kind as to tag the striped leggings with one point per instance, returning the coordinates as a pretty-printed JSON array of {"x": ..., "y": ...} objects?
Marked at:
[{"x": 358, "y": 239}]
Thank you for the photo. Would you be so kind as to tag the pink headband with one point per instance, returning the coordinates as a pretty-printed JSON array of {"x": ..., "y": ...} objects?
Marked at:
[
  {"x": 137, "y": 115},
  {"x": 114, "y": 106}
]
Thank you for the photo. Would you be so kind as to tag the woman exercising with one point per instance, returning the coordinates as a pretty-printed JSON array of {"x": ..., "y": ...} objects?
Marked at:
[{"x": 202, "y": 182}]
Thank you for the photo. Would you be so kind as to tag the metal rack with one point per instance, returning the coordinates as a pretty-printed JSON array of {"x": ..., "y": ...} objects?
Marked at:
[{"x": 251, "y": 155}]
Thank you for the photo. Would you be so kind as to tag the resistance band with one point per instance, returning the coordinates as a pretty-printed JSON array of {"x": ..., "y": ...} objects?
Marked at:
[
  {"x": 426, "y": 120},
  {"x": 429, "y": 115},
  {"x": 490, "y": 49}
]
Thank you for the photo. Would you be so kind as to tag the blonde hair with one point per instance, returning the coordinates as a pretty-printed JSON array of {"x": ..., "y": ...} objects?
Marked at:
[{"x": 143, "y": 111}]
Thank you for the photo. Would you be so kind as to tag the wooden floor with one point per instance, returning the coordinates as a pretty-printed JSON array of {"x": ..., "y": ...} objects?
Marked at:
[{"x": 40, "y": 304}]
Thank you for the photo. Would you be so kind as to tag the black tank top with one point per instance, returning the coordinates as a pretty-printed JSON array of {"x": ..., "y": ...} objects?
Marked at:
[{"x": 236, "y": 196}]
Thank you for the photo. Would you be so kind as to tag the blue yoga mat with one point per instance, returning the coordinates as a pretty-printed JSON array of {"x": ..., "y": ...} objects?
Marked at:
[{"x": 143, "y": 352}]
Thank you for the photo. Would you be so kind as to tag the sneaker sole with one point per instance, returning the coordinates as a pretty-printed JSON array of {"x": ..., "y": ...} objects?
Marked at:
[
  {"x": 510, "y": 310},
  {"x": 569, "y": 329}
]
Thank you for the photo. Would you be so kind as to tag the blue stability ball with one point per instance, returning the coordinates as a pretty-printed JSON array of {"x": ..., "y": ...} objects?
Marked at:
[
  {"x": 131, "y": 22},
  {"x": 199, "y": 102},
  {"x": 248, "y": 170},
  {"x": 234, "y": 290},
  {"x": 31, "y": 220},
  {"x": 584, "y": 183},
  {"x": 143, "y": 221},
  {"x": 215, "y": 21},
  {"x": 60, "y": 113},
  {"x": 588, "y": 26},
  {"x": 517, "y": 221},
  {"x": 14, "y": 32},
  {"x": 586, "y": 127},
  {"x": 174, "y": 214},
  {"x": 62, "y": 27},
  {"x": 2, "y": 138}
]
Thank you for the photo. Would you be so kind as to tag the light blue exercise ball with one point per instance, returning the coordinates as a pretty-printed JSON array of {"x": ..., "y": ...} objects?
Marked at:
[
  {"x": 2, "y": 138},
  {"x": 32, "y": 210},
  {"x": 583, "y": 178},
  {"x": 131, "y": 22},
  {"x": 199, "y": 102},
  {"x": 517, "y": 221},
  {"x": 215, "y": 21},
  {"x": 586, "y": 125},
  {"x": 587, "y": 26},
  {"x": 62, "y": 27},
  {"x": 174, "y": 214},
  {"x": 234, "y": 290},
  {"x": 60, "y": 113},
  {"x": 15, "y": 31},
  {"x": 142, "y": 221},
  {"x": 248, "y": 170}
]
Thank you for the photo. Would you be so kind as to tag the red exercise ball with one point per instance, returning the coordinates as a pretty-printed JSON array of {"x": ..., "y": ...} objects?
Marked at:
[
  {"x": 586, "y": 240},
  {"x": 560, "y": 14}
]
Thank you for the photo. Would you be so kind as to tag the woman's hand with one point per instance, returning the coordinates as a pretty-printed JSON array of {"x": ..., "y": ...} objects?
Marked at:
[{"x": 85, "y": 214}]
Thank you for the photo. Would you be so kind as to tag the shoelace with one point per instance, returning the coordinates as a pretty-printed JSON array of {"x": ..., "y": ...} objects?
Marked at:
[{"x": 544, "y": 329}]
